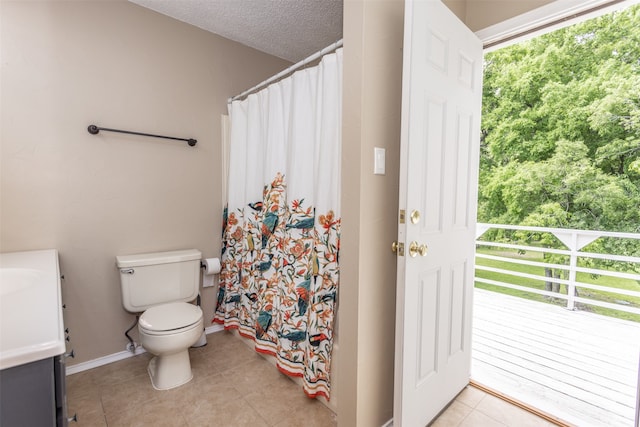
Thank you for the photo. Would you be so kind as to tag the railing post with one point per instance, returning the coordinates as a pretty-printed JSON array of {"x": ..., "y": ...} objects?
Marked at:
[{"x": 573, "y": 263}]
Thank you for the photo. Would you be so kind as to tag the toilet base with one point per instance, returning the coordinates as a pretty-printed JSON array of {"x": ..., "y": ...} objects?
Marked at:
[{"x": 170, "y": 371}]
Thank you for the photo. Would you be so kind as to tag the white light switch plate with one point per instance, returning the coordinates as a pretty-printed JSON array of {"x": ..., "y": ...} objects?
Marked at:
[{"x": 378, "y": 160}]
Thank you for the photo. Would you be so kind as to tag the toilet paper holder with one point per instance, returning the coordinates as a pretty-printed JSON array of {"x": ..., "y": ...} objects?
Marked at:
[{"x": 211, "y": 265}]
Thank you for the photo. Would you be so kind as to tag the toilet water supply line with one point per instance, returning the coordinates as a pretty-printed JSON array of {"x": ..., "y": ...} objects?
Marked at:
[{"x": 132, "y": 344}]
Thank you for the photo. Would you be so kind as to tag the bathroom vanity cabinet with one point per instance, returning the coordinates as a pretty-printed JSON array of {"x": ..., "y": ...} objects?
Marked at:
[
  {"x": 32, "y": 348},
  {"x": 33, "y": 394}
]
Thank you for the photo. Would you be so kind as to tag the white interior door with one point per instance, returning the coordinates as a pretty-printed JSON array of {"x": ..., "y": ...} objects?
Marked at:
[{"x": 442, "y": 87}]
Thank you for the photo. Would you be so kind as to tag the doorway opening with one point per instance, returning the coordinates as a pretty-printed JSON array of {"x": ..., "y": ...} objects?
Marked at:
[{"x": 557, "y": 303}]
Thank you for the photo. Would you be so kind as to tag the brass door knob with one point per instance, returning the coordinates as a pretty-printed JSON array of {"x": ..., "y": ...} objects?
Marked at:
[
  {"x": 394, "y": 247},
  {"x": 423, "y": 250},
  {"x": 415, "y": 249}
]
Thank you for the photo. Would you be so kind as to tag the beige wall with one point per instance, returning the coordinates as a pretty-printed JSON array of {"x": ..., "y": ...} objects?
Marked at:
[
  {"x": 480, "y": 14},
  {"x": 373, "y": 32},
  {"x": 66, "y": 65},
  {"x": 459, "y": 7}
]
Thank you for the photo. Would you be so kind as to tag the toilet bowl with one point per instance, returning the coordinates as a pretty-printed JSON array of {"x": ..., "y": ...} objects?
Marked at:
[{"x": 167, "y": 331}]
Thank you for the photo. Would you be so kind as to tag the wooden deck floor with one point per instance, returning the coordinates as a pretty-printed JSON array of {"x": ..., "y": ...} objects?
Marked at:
[{"x": 578, "y": 366}]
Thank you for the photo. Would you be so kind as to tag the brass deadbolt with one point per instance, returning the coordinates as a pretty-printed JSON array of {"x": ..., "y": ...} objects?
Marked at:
[{"x": 415, "y": 217}]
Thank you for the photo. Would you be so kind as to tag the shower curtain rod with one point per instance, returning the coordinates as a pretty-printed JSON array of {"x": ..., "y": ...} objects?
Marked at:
[{"x": 289, "y": 70}]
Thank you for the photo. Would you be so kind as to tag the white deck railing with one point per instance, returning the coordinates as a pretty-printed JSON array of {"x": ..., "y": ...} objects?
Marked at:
[{"x": 574, "y": 241}]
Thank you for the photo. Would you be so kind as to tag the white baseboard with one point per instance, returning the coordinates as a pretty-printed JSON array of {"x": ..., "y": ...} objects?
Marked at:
[
  {"x": 388, "y": 423},
  {"x": 105, "y": 360},
  {"x": 101, "y": 361},
  {"x": 216, "y": 327}
]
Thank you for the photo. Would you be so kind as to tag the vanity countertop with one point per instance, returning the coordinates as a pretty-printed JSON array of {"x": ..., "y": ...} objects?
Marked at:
[{"x": 31, "y": 325}]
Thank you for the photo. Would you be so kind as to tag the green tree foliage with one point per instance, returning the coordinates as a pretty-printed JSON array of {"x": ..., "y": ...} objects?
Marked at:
[
  {"x": 561, "y": 135},
  {"x": 561, "y": 128}
]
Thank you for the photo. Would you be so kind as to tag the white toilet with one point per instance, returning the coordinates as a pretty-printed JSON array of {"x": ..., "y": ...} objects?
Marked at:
[{"x": 161, "y": 284}]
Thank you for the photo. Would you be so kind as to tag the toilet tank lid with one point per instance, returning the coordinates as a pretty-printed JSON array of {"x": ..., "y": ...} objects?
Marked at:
[{"x": 139, "y": 260}]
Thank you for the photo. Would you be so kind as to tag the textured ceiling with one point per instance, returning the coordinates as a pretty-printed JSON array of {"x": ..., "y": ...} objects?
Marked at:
[{"x": 288, "y": 29}]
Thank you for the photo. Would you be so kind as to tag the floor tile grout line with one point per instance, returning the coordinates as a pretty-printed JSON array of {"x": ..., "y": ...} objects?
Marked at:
[
  {"x": 475, "y": 409},
  {"x": 490, "y": 413},
  {"x": 492, "y": 417},
  {"x": 257, "y": 412},
  {"x": 465, "y": 417}
]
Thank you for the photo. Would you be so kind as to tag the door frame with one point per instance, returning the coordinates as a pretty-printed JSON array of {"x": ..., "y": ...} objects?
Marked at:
[{"x": 545, "y": 19}]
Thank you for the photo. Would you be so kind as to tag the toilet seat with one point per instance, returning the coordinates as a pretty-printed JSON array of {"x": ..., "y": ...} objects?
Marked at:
[{"x": 168, "y": 319}]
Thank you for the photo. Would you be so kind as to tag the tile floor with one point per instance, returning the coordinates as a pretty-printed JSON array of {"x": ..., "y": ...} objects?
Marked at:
[
  {"x": 233, "y": 386},
  {"x": 475, "y": 408}
]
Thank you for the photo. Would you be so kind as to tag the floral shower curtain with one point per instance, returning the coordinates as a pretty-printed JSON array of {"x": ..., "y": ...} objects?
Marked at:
[{"x": 281, "y": 237}]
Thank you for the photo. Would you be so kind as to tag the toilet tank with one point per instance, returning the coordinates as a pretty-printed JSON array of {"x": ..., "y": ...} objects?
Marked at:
[{"x": 157, "y": 278}]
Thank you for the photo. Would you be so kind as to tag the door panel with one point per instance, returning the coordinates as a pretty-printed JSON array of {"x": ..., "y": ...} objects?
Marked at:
[
  {"x": 428, "y": 321},
  {"x": 464, "y": 142},
  {"x": 432, "y": 156},
  {"x": 457, "y": 308}
]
